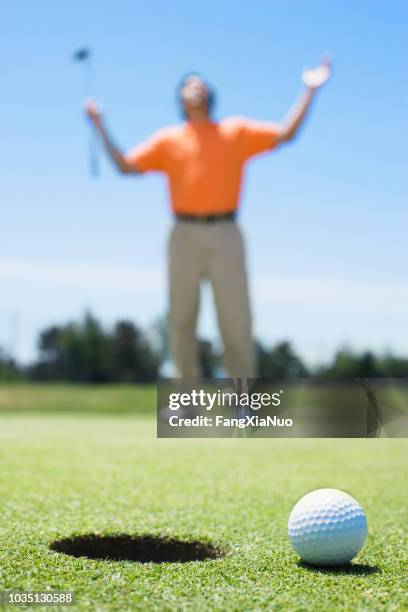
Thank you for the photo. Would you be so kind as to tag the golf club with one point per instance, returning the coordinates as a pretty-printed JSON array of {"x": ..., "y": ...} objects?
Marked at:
[{"x": 84, "y": 56}]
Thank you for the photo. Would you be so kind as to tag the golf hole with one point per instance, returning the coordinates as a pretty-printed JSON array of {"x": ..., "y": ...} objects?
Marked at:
[{"x": 140, "y": 549}]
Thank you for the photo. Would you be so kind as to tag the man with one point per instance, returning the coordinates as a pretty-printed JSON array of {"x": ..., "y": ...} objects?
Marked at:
[{"x": 204, "y": 161}]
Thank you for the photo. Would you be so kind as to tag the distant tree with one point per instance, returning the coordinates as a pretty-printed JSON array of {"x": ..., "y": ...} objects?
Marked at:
[
  {"x": 9, "y": 370},
  {"x": 50, "y": 356},
  {"x": 85, "y": 352},
  {"x": 280, "y": 362},
  {"x": 368, "y": 366},
  {"x": 75, "y": 352},
  {"x": 90, "y": 345},
  {"x": 392, "y": 366},
  {"x": 348, "y": 365},
  {"x": 132, "y": 357}
]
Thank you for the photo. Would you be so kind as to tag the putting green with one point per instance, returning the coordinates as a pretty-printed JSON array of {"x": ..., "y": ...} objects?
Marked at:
[{"x": 77, "y": 461}]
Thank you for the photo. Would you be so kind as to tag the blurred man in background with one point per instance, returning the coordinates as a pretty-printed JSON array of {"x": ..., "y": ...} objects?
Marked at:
[{"x": 204, "y": 160}]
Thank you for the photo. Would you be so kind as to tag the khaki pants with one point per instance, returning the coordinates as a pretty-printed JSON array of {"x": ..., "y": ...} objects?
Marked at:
[{"x": 213, "y": 251}]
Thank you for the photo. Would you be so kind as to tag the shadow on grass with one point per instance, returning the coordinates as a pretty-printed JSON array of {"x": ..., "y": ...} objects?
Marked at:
[
  {"x": 354, "y": 569},
  {"x": 141, "y": 549}
]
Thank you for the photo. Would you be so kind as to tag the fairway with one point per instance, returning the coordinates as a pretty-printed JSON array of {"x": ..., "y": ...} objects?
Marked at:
[{"x": 77, "y": 461}]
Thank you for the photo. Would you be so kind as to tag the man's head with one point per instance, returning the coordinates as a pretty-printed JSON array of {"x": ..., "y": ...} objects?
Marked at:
[{"x": 196, "y": 97}]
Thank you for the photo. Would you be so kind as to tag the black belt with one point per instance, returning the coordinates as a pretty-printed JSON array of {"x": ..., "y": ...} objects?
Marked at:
[{"x": 230, "y": 216}]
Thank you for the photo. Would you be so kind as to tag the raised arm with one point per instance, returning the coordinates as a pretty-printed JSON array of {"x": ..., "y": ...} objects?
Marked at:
[
  {"x": 313, "y": 79},
  {"x": 94, "y": 114}
]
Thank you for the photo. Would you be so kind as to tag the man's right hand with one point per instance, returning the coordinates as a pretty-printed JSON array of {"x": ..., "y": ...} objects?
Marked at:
[
  {"x": 314, "y": 78},
  {"x": 93, "y": 111}
]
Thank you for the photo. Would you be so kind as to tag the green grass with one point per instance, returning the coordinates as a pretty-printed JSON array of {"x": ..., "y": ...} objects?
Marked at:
[
  {"x": 96, "y": 399},
  {"x": 69, "y": 473}
]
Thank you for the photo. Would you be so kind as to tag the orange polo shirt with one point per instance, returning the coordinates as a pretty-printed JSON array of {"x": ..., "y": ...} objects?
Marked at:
[{"x": 204, "y": 161}]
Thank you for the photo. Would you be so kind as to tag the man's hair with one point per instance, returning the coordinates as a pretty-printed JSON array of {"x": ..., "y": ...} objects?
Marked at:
[{"x": 182, "y": 83}]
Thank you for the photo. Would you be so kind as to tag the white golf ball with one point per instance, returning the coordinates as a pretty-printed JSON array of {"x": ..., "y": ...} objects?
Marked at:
[{"x": 327, "y": 527}]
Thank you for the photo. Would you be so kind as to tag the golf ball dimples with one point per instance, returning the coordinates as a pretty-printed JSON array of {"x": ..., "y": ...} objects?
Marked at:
[{"x": 327, "y": 527}]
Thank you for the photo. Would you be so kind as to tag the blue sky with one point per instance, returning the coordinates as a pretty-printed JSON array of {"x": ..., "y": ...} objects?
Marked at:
[{"x": 325, "y": 218}]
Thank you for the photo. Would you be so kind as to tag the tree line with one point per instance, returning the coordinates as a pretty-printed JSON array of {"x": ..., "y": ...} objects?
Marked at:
[{"x": 87, "y": 352}]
